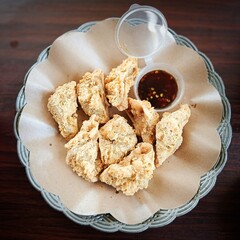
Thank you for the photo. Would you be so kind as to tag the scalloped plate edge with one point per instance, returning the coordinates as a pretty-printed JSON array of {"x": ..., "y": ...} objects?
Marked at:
[{"x": 105, "y": 222}]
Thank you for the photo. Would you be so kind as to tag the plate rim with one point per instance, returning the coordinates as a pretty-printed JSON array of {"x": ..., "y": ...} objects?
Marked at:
[{"x": 106, "y": 222}]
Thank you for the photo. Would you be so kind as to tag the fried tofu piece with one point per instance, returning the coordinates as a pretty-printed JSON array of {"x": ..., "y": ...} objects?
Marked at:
[
  {"x": 116, "y": 139},
  {"x": 133, "y": 173},
  {"x": 144, "y": 118},
  {"x": 119, "y": 81},
  {"x": 83, "y": 151},
  {"x": 62, "y": 104},
  {"x": 91, "y": 95},
  {"x": 169, "y": 132}
]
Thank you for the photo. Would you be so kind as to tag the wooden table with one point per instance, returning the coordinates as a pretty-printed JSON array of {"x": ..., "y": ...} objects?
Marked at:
[{"x": 27, "y": 27}]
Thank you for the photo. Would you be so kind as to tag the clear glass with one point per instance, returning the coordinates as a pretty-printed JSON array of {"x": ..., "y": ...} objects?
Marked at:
[{"x": 141, "y": 31}]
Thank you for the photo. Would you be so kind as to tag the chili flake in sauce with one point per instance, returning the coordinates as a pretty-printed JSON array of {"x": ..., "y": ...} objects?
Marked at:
[{"x": 158, "y": 87}]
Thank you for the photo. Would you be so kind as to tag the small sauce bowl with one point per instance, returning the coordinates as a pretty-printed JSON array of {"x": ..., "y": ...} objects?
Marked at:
[{"x": 161, "y": 84}]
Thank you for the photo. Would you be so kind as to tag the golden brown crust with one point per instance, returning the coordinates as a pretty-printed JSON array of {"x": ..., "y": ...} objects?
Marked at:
[
  {"x": 169, "y": 133},
  {"x": 110, "y": 154},
  {"x": 132, "y": 173},
  {"x": 62, "y": 104},
  {"x": 116, "y": 139},
  {"x": 91, "y": 95},
  {"x": 144, "y": 119},
  {"x": 83, "y": 155},
  {"x": 119, "y": 81}
]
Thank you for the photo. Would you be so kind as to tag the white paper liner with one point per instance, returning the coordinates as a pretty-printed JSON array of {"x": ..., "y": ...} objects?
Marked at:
[{"x": 173, "y": 184}]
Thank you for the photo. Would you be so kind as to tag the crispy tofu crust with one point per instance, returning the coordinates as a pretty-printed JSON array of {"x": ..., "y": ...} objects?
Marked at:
[
  {"x": 169, "y": 133},
  {"x": 91, "y": 95},
  {"x": 119, "y": 81},
  {"x": 62, "y": 104},
  {"x": 144, "y": 119},
  {"x": 132, "y": 173},
  {"x": 112, "y": 153},
  {"x": 83, "y": 151},
  {"x": 116, "y": 139}
]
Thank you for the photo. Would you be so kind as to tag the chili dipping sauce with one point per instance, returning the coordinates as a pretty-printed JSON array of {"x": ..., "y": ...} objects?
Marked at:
[{"x": 158, "y": 87}]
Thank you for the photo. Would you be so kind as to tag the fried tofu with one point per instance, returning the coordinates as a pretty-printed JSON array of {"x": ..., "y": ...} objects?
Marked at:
[
  {"x": 169, "y": 132},
  {"x": 144, "y": 119},
  {"x": 62, "y": 104},
  {"x": 132, "y": 173},
  {"x": 116, "y": 139},
  {"x": 83, "y": 151},
  {"x": 119, "y": 81},
  {"x": 91, "y": 95},
  {"x": 108, "y": 150}
]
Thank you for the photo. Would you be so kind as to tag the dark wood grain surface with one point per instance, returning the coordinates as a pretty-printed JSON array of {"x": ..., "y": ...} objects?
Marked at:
[{"x": 27, "y": 27}]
